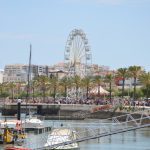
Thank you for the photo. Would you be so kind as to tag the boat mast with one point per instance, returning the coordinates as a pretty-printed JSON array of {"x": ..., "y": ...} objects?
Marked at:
[{"x": 29, "y": 79}]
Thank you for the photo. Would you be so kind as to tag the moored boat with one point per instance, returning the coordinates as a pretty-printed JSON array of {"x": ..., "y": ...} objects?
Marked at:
[
  {"x": 32, "y": 122},
  {"x": 61, "y": 135},
  {"x": 16, "y": 148},
  {"x": 11, "y": 132}
]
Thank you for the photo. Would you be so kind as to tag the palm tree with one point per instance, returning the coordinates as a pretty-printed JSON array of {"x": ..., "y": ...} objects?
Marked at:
[
  {"x": 11, "y": 86},
  {"x": 98, "y": 82},
  {"x": 86, "y": 83},
  {"x": 18, "y": 86},
  {"x": 145, "y": 80},
  {"x": 54, "y": 85},
  {"x": 135, "y": 72},
  {"x": 42, "y": 83},
  {"x": 122, "y": 73},
  {"x": 77, "y": 82},
  {"x": 109, "y": 78},
  {"x": 1, "y": 88},
  {"x": 33, "y": 86},
  {"x": 65, "y": 83}
]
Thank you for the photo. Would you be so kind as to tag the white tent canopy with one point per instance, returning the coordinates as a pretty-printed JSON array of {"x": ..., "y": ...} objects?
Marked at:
[{"x": 102, "y": 91}]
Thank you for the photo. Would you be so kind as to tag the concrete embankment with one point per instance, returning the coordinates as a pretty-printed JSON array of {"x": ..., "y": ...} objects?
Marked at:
[
  {"x": 44, "y": 109},
  {"x": 65, "y": 112}
]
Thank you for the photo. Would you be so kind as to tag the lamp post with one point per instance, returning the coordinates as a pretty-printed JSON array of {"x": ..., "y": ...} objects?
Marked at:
[{"x": 19, "y": 109}]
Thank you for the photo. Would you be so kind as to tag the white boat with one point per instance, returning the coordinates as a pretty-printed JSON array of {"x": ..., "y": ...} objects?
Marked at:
[
  {"x": 9, "y": 124},
  {"x": 61, "y": 135},
  {"x": 14, "y": 124},
  {"x": 32, "y": 122}
]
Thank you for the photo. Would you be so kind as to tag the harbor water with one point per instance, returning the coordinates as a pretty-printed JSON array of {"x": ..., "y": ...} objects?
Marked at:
[{"x": 132, "y": 140}]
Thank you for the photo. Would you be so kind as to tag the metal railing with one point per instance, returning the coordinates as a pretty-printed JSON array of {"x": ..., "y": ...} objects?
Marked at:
[{"x": 102, "y": 128}]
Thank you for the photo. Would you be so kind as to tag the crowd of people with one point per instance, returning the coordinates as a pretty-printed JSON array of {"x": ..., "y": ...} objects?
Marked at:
[{"x": 90, "y": 101}]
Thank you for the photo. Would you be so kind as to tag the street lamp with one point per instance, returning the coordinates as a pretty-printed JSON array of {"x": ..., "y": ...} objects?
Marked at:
[{"x": 19, "y": 109}]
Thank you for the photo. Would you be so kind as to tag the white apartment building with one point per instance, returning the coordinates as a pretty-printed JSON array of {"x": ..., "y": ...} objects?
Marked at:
[
  {"x": 15, "y": 73},
  {"x": 43, "y": 70},
  {"x": 100, "y": 70},
  {"x": 19, "y": 73},
  {"x": 1, "y": 75},
  {"x": 59, "y": 66}
]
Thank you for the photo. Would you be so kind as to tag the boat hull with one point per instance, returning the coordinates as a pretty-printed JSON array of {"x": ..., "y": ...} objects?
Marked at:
[
  {"x": 16, "y": 148},
  {"x": 65, "y": 149}
]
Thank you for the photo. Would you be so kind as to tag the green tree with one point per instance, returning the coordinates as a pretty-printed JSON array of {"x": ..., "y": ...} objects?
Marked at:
[
  {"x": 98, "y": 81},
  {"x": 145, "y": 80},
  {"x": 86, "y": 82},
  {"x": 77, "y": 81},
  {"x": 135, "y": 72},
  {"x": 54, "y": 84},
  {"x": 122, "y": 73},
  {"x": 109, "y": 78},
  {"x": 34, "y": 85},
  {"x": 3, "y": 90},
  {"x": 19, "y": 89},
  {"x": 65, "y": 83},
  {"x": 12, "y": 87},
  {"x": 42, "y": 82}
]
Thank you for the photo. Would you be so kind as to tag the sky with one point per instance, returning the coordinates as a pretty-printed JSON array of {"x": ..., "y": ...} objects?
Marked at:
[{"x": 118, "y": 31}]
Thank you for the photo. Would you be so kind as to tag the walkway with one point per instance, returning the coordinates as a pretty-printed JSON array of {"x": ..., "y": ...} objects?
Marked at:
[{"x": 115, "y": 125}]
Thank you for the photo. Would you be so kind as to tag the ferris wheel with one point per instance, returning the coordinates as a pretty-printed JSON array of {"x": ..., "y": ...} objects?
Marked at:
[{"x": 78, "y": 58}]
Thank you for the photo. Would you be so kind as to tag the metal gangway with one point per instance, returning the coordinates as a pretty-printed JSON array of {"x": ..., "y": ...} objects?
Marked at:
[{"x": 102, "y": 128}]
